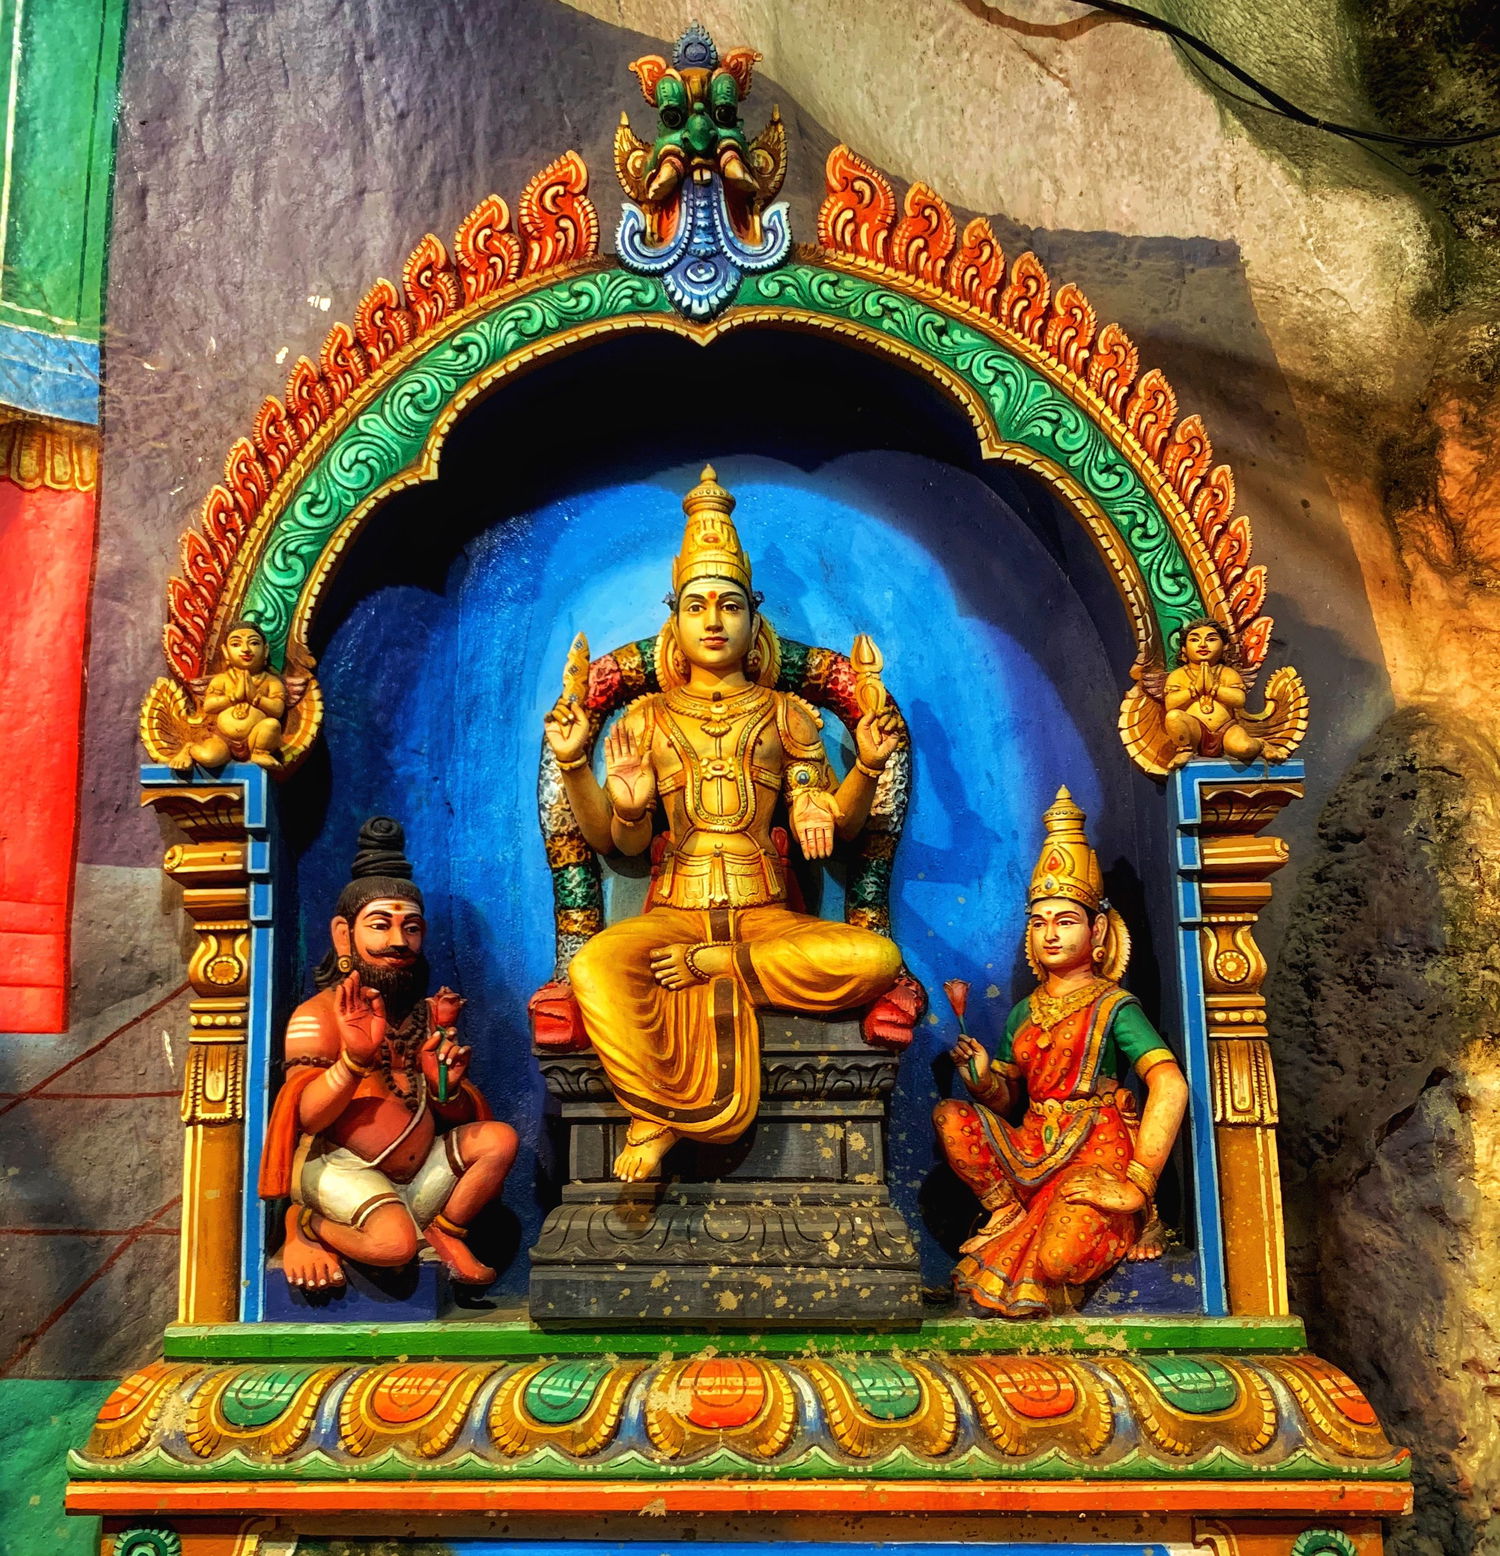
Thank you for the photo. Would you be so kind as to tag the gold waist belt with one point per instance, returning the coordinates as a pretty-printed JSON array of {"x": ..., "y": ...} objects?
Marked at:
[
  {"x": 719, "y": 880},
  {"x": 1052, "y": 1108}
]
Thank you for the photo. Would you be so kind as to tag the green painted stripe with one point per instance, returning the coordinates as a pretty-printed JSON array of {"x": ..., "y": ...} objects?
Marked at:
[
  {"x": 975, "y": 1465},
  {"x": 461, "y": 1338},
  {"x": 388, "y": 435}
]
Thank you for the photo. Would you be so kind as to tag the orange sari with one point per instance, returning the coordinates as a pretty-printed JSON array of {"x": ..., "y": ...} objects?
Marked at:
[{"x": 1077, "y": 1118}]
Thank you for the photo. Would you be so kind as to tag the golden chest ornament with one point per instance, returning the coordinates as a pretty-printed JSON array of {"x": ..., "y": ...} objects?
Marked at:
[
  {"x": 1047, "y": 1013},
  {"x": 734, "y": 724}
]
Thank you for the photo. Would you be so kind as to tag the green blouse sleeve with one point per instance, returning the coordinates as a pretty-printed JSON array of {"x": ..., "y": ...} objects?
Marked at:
[
  {"x": 1134, "y": 1036},
  {"x": 1012, "y": 1026}
]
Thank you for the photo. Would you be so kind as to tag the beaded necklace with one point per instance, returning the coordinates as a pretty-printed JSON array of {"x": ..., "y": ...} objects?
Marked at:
[{"x": 406, "y": 1039}]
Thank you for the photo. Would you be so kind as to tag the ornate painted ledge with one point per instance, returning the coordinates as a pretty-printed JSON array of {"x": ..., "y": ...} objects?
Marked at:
[{"x": 939, "y": 1418}]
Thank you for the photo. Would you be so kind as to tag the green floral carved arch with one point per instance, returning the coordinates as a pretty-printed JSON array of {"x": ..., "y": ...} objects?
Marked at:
[{"x": 1020, "y": 414}]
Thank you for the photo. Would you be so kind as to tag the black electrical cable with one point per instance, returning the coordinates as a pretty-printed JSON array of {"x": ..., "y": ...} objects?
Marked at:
[
  {"x": 1275, "y": 100},
  {"x": 1249, "y": 102}
]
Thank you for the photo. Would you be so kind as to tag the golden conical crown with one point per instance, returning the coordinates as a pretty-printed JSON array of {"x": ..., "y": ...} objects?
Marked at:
[
  {"x": 710, "y": 544},
  {"x": 1068, "y": 867}
]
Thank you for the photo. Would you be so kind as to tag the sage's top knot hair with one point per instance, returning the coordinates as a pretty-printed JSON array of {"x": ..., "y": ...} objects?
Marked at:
[
  {"x": 382, "y": 850},
  {"x": 380, "y": 869}
]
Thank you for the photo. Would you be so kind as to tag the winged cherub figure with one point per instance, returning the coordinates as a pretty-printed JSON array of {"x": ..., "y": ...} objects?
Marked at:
[{"x": 1198, "y": 709}]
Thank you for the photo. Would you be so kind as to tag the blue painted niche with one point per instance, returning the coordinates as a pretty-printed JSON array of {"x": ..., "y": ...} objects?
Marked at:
[{"x": 436, "y": 690}]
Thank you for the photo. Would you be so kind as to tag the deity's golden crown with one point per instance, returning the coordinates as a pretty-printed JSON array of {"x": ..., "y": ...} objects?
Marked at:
[
  {"x": 1068, "y": 867},
  {"x": 710, "y": 544}
]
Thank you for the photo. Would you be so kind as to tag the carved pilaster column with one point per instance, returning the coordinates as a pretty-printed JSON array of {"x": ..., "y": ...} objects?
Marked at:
[
  {"x": 211, "y": 868},
  {"x": 1235, "y": 870}
]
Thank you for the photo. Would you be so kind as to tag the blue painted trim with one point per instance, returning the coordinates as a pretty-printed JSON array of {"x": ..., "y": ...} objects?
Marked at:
[
  {"x": 1187, "y": 813},
  {"x": 51, "y": 375},
  {"x": 1185, "y": 792},
  {"x": 258, "y": 1038},
  {"x": 255, "y": 785},
  {"x": 800, "y": 1548}
]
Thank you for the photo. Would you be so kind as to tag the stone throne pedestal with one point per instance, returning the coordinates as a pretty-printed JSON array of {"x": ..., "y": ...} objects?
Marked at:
[{"x": 791, "y": 1225}]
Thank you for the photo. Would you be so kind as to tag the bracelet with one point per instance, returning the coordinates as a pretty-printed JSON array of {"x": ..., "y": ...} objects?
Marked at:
[
  {"x": 574, "y": 765},
  {"x": 1143, "y": 1178},
  {"x": 869, "y": 772},
  {"x": 690, "y": 957},
  {"x": 353, "y": 1065}
]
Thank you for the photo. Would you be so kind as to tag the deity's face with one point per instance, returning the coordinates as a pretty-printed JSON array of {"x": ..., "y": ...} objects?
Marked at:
[
  {"x": 1203, "y": 646},
  {"x": 386, "y": 933},
  {"x": 715, "y": 623},
  {"x": 245, "y": 649},
  {"x": 1060, "y": 936}
]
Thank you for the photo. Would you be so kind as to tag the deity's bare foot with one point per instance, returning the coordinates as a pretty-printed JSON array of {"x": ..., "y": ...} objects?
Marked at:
[
  {"x": 641, "y": 1158},
  {"x": 306, "y": 1262},
  {"x": 1152, "y": 1243},
  {"x": 999, "y": 1221},
  {"x": 454, "y": 1252}
]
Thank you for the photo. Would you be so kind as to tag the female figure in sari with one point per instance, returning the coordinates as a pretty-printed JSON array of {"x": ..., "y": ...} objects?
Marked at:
[{"x": 1069, "y": 1187}]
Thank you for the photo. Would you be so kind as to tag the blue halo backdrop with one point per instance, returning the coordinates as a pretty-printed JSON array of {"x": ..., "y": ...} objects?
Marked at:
[{"x": 436, "y": 694}]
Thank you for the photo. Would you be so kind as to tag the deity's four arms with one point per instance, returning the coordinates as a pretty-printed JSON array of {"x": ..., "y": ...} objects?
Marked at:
[
  {"x": 377, "y": 1136},
  {"x": 1069, "y": 1188},
  {"x": 668, "y": 998}
]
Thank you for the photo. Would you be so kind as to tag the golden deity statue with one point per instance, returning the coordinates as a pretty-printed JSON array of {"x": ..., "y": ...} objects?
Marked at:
[{"x": 668, "y": 998}]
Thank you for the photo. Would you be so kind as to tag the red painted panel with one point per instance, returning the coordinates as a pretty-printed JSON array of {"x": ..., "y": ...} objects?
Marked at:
[{"x": 46, "y": 555}]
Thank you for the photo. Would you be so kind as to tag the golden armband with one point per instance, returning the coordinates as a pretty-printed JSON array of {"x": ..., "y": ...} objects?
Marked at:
[{"x": 803, "y": 777}]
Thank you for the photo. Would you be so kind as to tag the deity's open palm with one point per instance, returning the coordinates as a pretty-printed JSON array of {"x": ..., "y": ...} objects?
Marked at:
[
  {"x": 360, "y": 1012},
  {"x": 814, "y": 814},
  {"x": 629, "y": 775}
]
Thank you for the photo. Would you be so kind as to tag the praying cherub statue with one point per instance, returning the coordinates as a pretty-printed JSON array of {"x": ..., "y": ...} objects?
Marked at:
[
  {"x": 1198, "y": 709},
  {"x": 245, "y": 712}
]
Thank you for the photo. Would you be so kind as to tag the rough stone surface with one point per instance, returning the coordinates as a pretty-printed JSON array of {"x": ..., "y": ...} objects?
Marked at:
[{"x": 1386, "y": 1011}]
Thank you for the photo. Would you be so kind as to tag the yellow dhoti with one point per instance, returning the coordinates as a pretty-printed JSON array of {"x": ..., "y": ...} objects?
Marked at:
[{"x": 689, "y": 1059}]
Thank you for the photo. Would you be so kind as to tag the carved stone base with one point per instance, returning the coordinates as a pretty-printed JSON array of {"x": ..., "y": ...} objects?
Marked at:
[{"x": 788, "y": 1226}]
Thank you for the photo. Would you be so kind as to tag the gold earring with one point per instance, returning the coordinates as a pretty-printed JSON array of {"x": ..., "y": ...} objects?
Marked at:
[
  {"x": 346, "y": 964},
  {"x": 1098, "y": 953}
]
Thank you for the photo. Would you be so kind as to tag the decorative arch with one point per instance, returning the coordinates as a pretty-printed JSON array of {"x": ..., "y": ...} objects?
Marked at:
[{"x": 1045, "y": 387}]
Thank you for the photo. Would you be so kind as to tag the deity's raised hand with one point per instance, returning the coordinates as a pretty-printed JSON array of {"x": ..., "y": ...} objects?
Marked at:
[
  {"x": 876, "y": 737},
  {"x": 629, "y": 774},
  {"x": 971, "y": 1061},
  {"x": 566, "y": 726},
  {"x": 360, "y": 1013},
  {"x": 442, "y": 1049}
]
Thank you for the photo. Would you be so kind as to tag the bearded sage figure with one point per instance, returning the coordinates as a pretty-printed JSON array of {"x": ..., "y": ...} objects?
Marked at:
[{"x": 377, "y": 1136}]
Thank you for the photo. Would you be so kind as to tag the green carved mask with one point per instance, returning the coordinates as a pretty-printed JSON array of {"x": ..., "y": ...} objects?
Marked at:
[{"x": 697, "y": 113}]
